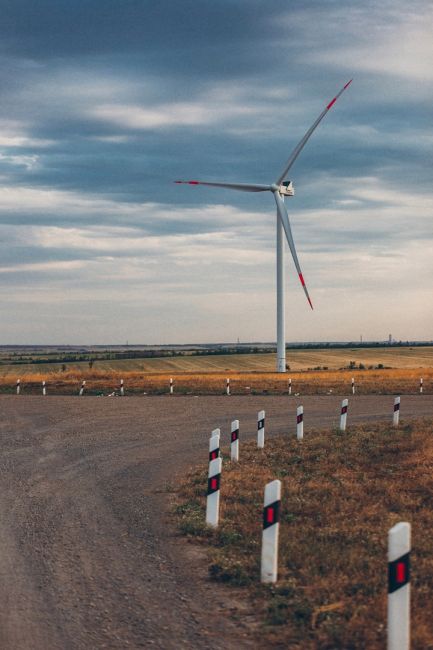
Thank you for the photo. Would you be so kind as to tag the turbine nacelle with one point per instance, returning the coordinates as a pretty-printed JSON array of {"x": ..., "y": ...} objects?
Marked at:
[{"x": 286, "y": 189}]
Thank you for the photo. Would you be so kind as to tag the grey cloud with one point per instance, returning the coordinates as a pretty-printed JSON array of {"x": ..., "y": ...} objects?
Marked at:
[
  {"x": 103, "y": 105},
  {"x": 203, "y": 37}
]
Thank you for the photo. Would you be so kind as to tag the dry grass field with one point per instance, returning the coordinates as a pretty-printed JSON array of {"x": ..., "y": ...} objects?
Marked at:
[
  {"x": 340, "y": 495},
  {"x": 298, "y": 360},
  {"x": 323, "y": 382},
  {"x": 376, "y": 370}
]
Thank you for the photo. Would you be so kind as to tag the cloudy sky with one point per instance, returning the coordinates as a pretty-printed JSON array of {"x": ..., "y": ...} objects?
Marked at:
[{"x": 104, "y": 103}]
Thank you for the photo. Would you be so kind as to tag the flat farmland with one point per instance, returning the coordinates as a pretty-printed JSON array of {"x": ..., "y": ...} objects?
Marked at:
[
  {"x": 316, "y": 372},
  {"x": 298, "y": 360}
]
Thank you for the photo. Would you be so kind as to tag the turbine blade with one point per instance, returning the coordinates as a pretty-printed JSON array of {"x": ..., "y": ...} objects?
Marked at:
[
  {"x": 242, "y": 187},
  {"x": 282, "y": 214},
  {"x": 297, "y": 150}
]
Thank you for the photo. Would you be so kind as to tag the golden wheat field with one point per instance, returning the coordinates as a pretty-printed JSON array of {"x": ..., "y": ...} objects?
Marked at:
[
  {"x": 382, "y": 381},
  {"x": 298, "y": 359},
  {"x": 325, "y": 371}
]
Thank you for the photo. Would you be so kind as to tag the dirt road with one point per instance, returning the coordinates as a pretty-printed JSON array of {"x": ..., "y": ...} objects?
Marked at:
[{"x": 88, "y": 556}]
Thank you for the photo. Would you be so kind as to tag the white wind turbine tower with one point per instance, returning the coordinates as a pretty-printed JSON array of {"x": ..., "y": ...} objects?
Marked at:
[{"x": 280, "y": 188}]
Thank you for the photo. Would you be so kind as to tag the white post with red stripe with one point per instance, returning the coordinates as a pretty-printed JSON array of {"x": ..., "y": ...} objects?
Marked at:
[
  {"x": 171, "y": 385},
  {"x": 271, "y": 529},
  {"x": 343, "y": 415},
  {"x": 122, "y": 389},
  {"x": 290, "y": 386},
  {"x": 227, "y": 386},
  {"x": 234, "y": 441},
  {"x": 18, "y": 386},
  {"x": 353, "y": 385},
  {"x": 421, "y": 382},
  {"x": 214, "y": 445},
  {"x": 213, "y": 492},
  {"x": 399, "y": 587},
  {"x": 44, "y": 388},
  {"x": 260, "y": 429},
  {"x": 300, "y": 422},
  {"x": 396, "y": 411},
  {"x": 83, "y": 386}
]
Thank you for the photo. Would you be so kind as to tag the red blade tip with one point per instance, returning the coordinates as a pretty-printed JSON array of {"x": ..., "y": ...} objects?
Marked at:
[
  {"x": 332, "y": 102},
  {"x": 187, "y": 182},
  {"x": 301, "y": 277}
]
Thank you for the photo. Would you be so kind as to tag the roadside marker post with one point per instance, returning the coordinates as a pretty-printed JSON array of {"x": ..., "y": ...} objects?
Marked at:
[
  {"x": 343, "y": 415},
  {"x": 214, "y": 445},
  {"x": 122, "y": 389},
  {"x": 227, "y": 386},
  {"x": 213, "y": 492},
  {"x": 290, "y": 386},
  {"x": 171, "y": 385},
  {"x": 300, "y": 422},
  {"x": 83, "y": 386},
  {"x": 421, "y": 382},
  {"x": 260, "y": 429},
  {"x": 18, "y": 386},
  {"x": 399, "y": 587},
  {"x": 270, "y": 533},
  {"x": 353, "y": 385},
  {"x": 234, "y": 441},
  {"x": 396, "y": 411},
  {"x": 44, "y": 388}
]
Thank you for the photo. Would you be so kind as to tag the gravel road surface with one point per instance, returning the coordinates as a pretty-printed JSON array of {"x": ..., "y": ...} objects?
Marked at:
[{"x": 89, "y": 558}]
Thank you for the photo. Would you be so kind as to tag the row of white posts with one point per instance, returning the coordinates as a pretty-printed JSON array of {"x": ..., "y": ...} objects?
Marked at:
[
  {"x": 399, "y": 544},
  {"x": 171, "y": 387},
  {"x": 214, "y": 442},
  {"x": 80, "y": 392},
  {"x": 421, "y": 382},
  {"x": 121, "y": 387},
  {"x": 345, "y": 407},
  {"x": 171, "y": 384},
  {"x": 215, "y": 463},
  {"x": 421, "y": 386}
]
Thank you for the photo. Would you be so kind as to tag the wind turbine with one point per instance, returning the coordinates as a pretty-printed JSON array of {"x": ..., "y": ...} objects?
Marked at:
[{"x": 280, "y": 188}]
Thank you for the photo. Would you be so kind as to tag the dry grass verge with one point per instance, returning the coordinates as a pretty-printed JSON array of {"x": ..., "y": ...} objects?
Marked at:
[
  {"x": 383, "y": 381},
  {"x": 341, "y": 494}
]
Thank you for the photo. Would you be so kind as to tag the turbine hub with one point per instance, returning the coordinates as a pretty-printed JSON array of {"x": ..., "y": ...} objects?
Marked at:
[{"x": 286, "y": 189}]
